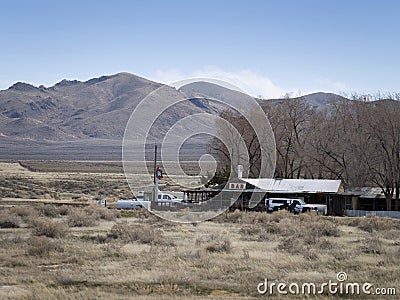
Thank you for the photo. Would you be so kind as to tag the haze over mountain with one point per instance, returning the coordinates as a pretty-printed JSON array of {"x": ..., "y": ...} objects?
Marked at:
[
  {"x": 69, "y": 110},
  {"x": 99, "y": 109}
]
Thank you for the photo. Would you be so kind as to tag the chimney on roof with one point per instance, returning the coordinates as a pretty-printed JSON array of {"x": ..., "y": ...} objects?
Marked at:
[{"x": 240, "y": 171}]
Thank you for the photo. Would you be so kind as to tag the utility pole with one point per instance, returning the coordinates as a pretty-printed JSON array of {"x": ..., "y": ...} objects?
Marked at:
[
  {"x": 155, "y": 164},
  {"x": 155, "y": 175}
]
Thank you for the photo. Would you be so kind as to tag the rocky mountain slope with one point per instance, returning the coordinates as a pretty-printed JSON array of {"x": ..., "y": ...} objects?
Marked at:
[
  {"x": 100, "y": 107},
  {"x": 69, "y": 110}
]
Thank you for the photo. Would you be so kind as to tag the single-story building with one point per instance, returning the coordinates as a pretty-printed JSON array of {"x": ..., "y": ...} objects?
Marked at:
[
  {"x": 313, "y": 191},
  {"x": 352, "y": 202},
  {"x": 368, "y": 198}
]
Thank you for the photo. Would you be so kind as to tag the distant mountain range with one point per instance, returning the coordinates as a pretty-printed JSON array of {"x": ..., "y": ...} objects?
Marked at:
[
  {"x": 70, "y": 110},
  {"x": 98, "y": 108}
]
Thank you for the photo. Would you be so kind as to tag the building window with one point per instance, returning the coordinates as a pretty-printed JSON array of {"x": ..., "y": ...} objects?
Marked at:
[{"x": 348, "y": 205}]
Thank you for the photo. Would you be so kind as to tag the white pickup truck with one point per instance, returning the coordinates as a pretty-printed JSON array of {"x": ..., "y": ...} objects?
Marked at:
[
  {"x": 295, "y": 205},
  {"x": 163, "y": 199},
  {"x": 168, "y": 199}
]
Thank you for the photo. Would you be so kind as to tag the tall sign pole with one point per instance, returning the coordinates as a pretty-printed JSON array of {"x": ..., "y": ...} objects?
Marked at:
[
  {"x": 155, "y": 164},
  {"x": 155, "y": 175}
]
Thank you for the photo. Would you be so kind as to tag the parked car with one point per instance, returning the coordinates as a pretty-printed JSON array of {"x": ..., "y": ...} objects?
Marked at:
[
  {"x": 162, "y": 197},
  {"x": 294, "y": 205},
  {"x": 166, "y": 197},
  {"x": 133, "y": 204}
]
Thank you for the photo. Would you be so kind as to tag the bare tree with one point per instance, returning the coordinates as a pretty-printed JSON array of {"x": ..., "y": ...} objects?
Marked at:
[
  {"x": 236, "y": 143},
  {"x": 357, "y": 141},
  {"x": 289, "y": 120},
  {"x": 384, "y": 163}
]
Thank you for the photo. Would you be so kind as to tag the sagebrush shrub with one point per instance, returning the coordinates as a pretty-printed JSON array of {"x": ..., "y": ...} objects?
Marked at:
[
  {"x": 374, "y": 223},
  {"x": 23, "y": 210},
  {"x": 250, "y": 230},
  {"x": 9, "y": 220},
  {"x": 106, "y": 214},
  {"x": 47, "y": 210},
  {"x": 144, "y": 234},
  {"x": 255, "y": 217},
  {"x": 42, "y": 246},
  {"x": 215, "y": 243},
  {"x": 372, "y": 245},
  {"x": 78, "y": 218},
  {"x": 259, "y": 231},
  {"x": 64, "y": 210},
  {"x": 223, "y": 245},
  {"x": 291, "y": 245},
  {"x": 280, "y": 215},
  {"x": 46, "y": 227},
  {"x": 230, "y": 217}
]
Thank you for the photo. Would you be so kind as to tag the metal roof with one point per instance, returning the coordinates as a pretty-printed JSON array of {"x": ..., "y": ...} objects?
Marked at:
[
  {"x": 365, "y": 192},
  {"x": 295, "y": 185}
]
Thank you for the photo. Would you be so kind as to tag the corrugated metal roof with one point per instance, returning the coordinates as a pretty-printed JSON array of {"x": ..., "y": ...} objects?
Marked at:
[
  {"x": 295, "y": 185},
  {"x": 365, "y": 192}
]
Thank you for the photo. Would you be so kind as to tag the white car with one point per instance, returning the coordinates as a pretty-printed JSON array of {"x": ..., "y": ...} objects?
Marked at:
[{"x": 296, "y": 205}]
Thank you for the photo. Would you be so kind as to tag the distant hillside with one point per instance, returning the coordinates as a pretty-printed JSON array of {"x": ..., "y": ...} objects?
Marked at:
[
  {"x": 319, "y": 101},
  {"x": 77, "y": 117},
  {"x": 207, "y": 90},
  {"x": 70, "y": 110},
  {"x": 100, "y": 107}
]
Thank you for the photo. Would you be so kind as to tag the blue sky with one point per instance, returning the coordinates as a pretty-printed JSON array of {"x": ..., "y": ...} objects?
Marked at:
[{"x": 265, "y": 47}]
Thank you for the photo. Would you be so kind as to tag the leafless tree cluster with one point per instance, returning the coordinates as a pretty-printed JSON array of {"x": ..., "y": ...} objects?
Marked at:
[
  {"x": 357, "y": 141},
  {"x": 229, "y": 149}
]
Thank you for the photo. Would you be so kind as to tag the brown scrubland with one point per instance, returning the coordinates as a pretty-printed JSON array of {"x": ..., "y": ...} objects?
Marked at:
[{"x": 52, "y": 251}]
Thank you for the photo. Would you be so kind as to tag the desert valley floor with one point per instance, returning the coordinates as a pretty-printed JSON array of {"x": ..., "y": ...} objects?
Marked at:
[{"x": 52, "y": 251}]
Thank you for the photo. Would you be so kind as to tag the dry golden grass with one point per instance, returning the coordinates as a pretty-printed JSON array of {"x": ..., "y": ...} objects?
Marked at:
[
  {"x": 83, "y": 181},
  {"x": 140, "y": 256},
  {"x": 22, "y": 183},
  {"x": 135, "y": 255}
]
